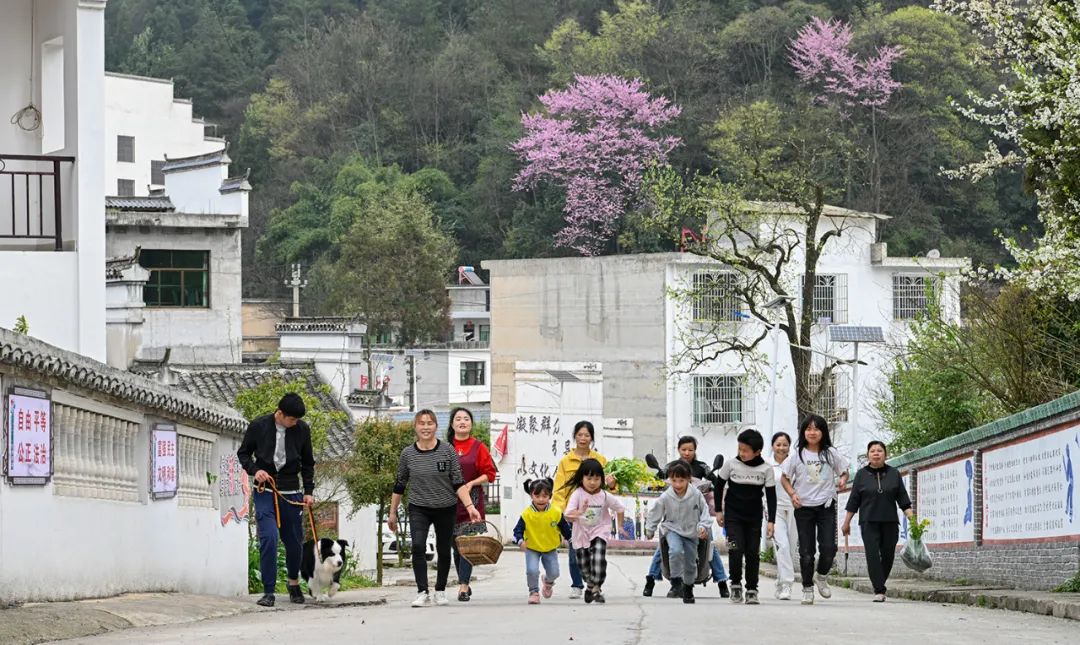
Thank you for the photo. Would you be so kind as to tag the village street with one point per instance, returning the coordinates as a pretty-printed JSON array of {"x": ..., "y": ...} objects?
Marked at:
[{"x": 498, "y": 614}]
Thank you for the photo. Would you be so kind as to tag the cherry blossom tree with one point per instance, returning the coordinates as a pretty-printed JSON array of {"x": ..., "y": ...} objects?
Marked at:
[
  {"x": 822, "y": 57},
  {"x": 1035, "y": 118},
  {"x": 595, "y": 139}
]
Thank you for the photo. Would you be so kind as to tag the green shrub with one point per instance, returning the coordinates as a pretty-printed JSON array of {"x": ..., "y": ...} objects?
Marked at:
[{"x": 1072, "y": 585}]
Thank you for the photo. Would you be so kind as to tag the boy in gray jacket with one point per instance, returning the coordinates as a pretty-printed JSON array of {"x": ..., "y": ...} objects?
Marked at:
[{"x": 683, "y": 516}]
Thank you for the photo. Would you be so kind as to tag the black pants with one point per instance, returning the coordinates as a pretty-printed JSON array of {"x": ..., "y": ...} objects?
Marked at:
[
  {"x": 880, "y": 540},
  {"x": 420, "y": 520},
  {"x": 817, "y": 530},
  {"x": 744, "y": 542}
]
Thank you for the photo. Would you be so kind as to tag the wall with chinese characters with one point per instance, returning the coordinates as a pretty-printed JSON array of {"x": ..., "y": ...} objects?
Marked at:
[
  {"x": 1001, "y": 499},
  {"x": 96, "y": 513}
]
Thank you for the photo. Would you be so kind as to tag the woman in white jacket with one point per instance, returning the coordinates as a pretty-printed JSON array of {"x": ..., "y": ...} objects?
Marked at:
[{"x": 786, "y": 535}]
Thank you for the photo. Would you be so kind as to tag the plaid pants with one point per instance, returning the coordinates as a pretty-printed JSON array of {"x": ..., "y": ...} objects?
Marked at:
[{"x": 593, "y": 563}]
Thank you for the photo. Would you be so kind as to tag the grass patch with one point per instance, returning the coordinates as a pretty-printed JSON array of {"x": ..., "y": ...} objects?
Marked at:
[
  {"x": 768, "y": 555},
  {"x": 1072, "y": 585},
  {"x": 982, "y": 601}
]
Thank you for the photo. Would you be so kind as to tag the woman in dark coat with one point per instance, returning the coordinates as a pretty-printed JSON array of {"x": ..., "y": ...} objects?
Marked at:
[{"x": 876, "y": 493}]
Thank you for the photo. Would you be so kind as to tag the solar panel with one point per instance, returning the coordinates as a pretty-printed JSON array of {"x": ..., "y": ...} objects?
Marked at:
[
  {"x": 855, "y": 334},
  {"x": 562, "y": 375}
]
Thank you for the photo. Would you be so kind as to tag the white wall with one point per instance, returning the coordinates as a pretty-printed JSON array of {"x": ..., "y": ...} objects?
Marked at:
[
  {"x": 359, "y": 530},
  {"x": 195, "y": 334},
  {"x": 56, "y": 547},
  {"x": 145, "y": 108},
  {"x": 458, "y": 393},
  {"x": 77, "y": 320}
]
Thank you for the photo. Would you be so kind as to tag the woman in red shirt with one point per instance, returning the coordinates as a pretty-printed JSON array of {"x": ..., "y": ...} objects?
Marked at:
[{"x": 478, "y": 470}]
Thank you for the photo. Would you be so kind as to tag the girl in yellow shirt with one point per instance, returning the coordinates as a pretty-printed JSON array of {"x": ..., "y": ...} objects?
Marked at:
[{"x": 539, "y": 531}]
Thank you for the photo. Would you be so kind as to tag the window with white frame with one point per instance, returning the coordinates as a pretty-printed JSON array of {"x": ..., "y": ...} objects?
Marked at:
[
  {"x": 715, "y": 296},
  {"x": 722, "y": 400},
  {"x": 472, "y": 373},
  {"x": 830, "y": 400},
  {"x": 913, "y": 295},
  {"x": 830, "y": 298}
]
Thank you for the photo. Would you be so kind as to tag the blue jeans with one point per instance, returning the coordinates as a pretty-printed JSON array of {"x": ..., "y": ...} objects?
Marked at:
[
  {"x": 291, "y": 532},
  {"x": 575, "y": 571},
  {"x": 682, "y": 556},
  {"x": 463, "y": 566},
  {"x": 533, "y": 559},
  {"x": 716, "y": 562}
]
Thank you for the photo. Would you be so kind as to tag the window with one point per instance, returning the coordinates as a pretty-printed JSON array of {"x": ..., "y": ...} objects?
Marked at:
[
  {"x": 913, "y": 295},
  {"x": 469, "y": 331},
  {"x": 831, "y": 401},
  {"x": 125, "y": 187},
  {"x": 485, "y": 333},
  {"x": 472, "y": 373},
  {"x": 177, "y": 278},
  {"x": 830, "y": 298},
  {"x": 721, "y": 400},
  {"x": 125, "y": 148},
  {"x": 715, "y": 298},
  {"x": 157, "y": 175}
]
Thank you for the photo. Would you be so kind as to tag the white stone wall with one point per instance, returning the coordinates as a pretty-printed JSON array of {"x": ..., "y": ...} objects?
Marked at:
[
  {"x": 196, "y": 335},
  {"x": 93, "y": 531},
  {"x": 75, "y": 322}
]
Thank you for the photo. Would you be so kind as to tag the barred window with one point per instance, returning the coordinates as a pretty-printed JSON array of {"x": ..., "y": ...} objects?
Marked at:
[
  {"x": 912, "y": 296},
  {"x": 831, "y": 401},
  {"x": 125, "y": 148},
  {"x": 830, "y": 298},
  {"x": 722, "y": 400},
  {"x": 157, "y": 174},
  {"x": 715, "y": 296}
]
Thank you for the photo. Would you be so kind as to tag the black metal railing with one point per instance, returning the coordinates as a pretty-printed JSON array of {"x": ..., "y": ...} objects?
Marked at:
[{"x": 34, "y": 198}]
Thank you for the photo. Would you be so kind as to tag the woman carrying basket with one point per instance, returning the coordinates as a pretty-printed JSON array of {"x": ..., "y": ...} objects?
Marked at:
[
  {"x": 478, "y": 469},
  {"x": 429, "y": 469}
]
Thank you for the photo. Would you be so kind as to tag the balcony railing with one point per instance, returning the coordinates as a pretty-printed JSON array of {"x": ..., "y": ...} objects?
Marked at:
[{"x": 31, "y": 202}]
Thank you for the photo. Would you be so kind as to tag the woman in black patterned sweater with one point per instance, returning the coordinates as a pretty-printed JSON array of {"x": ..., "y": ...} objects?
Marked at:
[{"x": 431, "y": 472}]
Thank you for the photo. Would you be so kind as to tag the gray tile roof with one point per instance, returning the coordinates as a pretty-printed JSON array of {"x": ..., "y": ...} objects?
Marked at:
[
  {"x": 222, "y": 383},
  {"x": 234, "y": 184},
  {"x": 52, "y": 364},
  {"x": 114, "y": 267},
  {"x": 216, "y": 158},
  {"x": 153, "y": 203}
]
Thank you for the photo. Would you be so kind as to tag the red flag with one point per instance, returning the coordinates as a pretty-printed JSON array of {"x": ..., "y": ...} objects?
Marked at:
[{"x": 500, "y": 443}]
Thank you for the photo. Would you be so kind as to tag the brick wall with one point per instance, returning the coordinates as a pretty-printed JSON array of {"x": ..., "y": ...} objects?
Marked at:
[{"x": 1024, "y": 559}]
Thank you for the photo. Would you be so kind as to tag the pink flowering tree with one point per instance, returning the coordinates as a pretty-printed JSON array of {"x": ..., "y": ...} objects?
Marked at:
[
  {"x": 595, "y": 139},
  {"x": 822, "y": 57}
]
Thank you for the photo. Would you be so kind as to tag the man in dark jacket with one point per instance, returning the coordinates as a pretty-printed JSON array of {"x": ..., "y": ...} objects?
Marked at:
[{"x": 278, "y": 446}]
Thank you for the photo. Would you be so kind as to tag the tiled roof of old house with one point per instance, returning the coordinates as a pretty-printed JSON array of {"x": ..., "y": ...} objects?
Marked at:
[{"x": 222, "y": 383}]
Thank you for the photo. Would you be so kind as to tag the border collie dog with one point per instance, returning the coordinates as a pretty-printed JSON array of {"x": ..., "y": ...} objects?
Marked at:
[{"x": 321, "y": 565}]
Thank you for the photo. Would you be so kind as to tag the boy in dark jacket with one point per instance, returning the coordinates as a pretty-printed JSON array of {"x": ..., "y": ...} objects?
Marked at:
[
  {"x": 278, "y": 447},
  {"x": 747, "y": 478}
]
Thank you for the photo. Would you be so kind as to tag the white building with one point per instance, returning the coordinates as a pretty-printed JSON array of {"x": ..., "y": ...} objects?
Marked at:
[
  {"x": 52, "y": 161},
  {"x": 83, "y": 496},
  {"x": 601, "y": 338},
  {"x": 175, "y": 222},
  {"x": 145, "y": 124}
]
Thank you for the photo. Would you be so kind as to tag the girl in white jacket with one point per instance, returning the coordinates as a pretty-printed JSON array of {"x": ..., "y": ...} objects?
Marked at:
[{"x": 786, "y": 536}]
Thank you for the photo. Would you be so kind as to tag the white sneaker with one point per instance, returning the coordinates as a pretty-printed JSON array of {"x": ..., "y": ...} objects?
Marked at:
[
  {"x": 808, "y": 596},
  {"x": 879, "y": 597},
  {"x": 575, "y": 593},
  {"x": 823, "y": 588},
  {"x": 440, "y": 598},
  {"x": 422, "y": 600},
  {"x": 785, "y": 592}
]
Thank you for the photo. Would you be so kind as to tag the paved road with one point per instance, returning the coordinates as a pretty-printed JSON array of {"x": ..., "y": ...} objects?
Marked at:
[{"x": 498, "y": 614}]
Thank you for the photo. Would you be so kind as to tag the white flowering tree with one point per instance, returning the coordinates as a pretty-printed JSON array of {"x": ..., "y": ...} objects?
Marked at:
[{"x": 1035, "y": 118}]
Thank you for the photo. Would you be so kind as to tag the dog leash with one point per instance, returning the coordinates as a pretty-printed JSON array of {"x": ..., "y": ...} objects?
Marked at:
[{"x": 261, "y": 488}]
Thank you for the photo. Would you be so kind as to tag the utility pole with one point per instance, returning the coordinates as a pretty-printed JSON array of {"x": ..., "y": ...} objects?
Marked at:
[
  {"x": 410, "y": 366},
  {"x": 297, "y": 284}
]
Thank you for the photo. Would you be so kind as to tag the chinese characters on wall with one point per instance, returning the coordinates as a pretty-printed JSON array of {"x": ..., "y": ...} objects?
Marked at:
[
  {"x": 163, "y": 471},
  {"x": 946, "y": 498},
  {"x": 29, "y": 448}
]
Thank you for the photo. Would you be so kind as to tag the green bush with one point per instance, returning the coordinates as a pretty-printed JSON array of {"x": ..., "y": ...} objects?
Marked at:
[
  {"x": 768, "y": 555},
  {"x": 1072, "y": 585},
  {"x": 254, "y": 572}
]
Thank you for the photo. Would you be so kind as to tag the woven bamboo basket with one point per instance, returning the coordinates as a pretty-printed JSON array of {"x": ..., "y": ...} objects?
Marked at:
[{"x": 480, "y": 549}]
